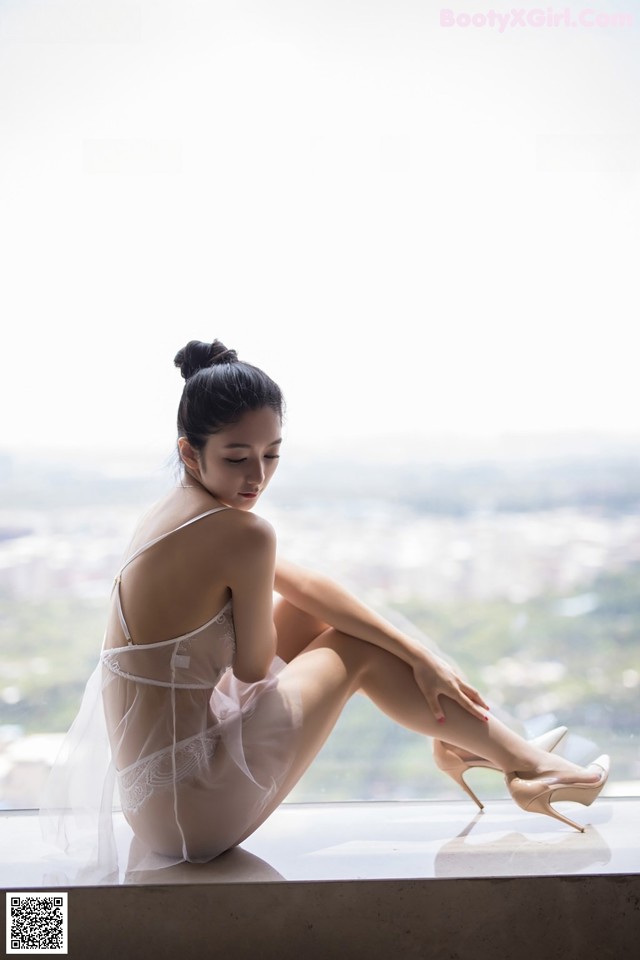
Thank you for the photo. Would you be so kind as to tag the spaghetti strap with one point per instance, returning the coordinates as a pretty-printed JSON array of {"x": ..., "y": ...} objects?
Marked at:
[
  {"x": 118, "y": 578},
  {"x": 150, "y": 543}
]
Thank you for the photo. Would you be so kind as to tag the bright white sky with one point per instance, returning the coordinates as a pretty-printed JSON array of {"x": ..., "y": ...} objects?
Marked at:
[{"x": 417, "y": 230}]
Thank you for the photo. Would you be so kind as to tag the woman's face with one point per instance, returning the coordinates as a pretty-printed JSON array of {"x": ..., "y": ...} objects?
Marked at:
[{"x": 237, "y": 463}]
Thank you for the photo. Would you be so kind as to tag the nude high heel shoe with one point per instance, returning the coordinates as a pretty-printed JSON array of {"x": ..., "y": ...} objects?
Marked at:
[
  {"x": 449, "y": 761},
  {"x": 536, "y": 795}
]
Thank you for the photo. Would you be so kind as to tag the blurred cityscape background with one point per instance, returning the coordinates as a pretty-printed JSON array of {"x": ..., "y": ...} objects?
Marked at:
[
  {"x": 419, "y": 234},
  {"x": 522, "y": 568}
]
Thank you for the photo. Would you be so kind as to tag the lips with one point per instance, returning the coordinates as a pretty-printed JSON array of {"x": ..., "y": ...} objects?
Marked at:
[{"x": 249, "y": 496}]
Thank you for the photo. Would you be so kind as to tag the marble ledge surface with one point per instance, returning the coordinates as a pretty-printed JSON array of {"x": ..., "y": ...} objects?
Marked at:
[{"x": 368, "y": 841}]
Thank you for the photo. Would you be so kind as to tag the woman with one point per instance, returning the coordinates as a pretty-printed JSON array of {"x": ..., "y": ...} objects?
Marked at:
[{"x": 216, "y": 701}]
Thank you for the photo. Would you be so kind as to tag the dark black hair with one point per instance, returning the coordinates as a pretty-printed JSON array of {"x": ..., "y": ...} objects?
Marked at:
[{"x": 219, "y": 389}]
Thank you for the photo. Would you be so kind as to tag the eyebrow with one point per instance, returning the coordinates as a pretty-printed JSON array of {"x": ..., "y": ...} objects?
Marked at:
[{"x": 234, "y": 446}]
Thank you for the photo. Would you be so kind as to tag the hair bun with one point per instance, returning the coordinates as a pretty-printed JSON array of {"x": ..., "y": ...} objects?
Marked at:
[{"x": 198, "y": 355}]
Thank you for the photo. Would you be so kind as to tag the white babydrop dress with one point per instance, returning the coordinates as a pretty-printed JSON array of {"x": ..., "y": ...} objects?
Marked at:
[{"x": 167, "y": 734}]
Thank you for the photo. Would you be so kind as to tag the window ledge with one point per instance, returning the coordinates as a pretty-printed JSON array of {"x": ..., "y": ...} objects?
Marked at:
[{"x": 373, "y": 879}]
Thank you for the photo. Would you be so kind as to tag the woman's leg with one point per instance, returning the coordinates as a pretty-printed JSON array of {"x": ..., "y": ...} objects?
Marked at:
[
  {"x": 326, "y": 683},
  {"x": 333, "y": 666},
  {"x": 295, "y": 629}
]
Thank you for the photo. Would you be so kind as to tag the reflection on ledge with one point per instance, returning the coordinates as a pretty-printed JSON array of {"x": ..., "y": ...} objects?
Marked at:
[
  {"x": 234, "y": 866},
  {"x": 515, "y": 854}
]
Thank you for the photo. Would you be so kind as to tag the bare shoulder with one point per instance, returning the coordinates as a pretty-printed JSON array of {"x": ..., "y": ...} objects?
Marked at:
[
  {"x": 247, "y": 533},
  {"x": 230, "y": 532}
]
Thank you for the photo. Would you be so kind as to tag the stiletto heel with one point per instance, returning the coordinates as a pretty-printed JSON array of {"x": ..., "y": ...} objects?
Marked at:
[
  {"x": 536, "y": 795},
  {"x": 449, "y": 760},
  {"x": 456, "y": 774}
]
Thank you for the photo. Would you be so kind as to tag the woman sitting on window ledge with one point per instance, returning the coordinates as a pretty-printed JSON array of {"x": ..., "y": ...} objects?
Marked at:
[{"x": 208, "y": 704}]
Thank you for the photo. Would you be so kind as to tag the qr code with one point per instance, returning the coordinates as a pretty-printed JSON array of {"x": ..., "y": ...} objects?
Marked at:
[{"x": 37, "y": 922}]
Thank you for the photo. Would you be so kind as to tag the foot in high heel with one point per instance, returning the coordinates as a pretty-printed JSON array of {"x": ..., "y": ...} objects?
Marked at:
[
  {"x": 536, "y": 795},
  {"x": 449, "y": 760}
]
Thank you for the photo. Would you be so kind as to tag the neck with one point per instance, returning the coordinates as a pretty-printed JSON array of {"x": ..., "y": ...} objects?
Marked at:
[{"x": 190, "y": 480}]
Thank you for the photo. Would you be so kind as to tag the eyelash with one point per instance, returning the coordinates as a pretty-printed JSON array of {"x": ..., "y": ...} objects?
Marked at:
[{"x": 242, "y": 460}]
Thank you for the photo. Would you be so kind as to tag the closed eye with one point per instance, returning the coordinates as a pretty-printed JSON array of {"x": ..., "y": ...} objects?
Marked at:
[{"x": 275, "y": 456}]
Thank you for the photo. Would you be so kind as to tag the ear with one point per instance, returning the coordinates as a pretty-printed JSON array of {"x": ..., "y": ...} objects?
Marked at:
[{"x": 189, "y": 456}]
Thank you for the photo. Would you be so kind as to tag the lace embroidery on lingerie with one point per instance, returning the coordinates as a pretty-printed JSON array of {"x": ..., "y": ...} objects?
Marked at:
[
  {"x": 228, "y": 638},
  {"x": 229, "y": 635},
  {"x": 157, "y": 773},
  {"x": 113, "y": 664}
]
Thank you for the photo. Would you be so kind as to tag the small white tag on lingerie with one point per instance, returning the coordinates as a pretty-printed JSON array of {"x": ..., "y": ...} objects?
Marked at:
[{"x": 180, "y": 660}]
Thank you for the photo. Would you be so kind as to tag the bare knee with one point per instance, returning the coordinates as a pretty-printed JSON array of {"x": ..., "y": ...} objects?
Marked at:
[
  {"x": 356, "y": 655},
  {"x": 295, "y": 629}
]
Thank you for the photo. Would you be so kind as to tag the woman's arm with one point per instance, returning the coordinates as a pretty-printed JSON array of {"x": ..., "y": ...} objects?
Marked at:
[
  {"x": 323, "y": 598},
  {"x": 326, "y": 600},
  {"x": 250, "y": 561}
]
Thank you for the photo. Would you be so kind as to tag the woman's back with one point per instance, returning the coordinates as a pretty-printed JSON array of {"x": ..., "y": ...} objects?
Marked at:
[
  {"x": 173, "y": 579},
  {"x": 156, "y": 693}
]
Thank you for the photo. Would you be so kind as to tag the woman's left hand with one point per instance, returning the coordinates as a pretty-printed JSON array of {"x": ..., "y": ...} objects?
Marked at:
[{"x": 437, "y": 679}]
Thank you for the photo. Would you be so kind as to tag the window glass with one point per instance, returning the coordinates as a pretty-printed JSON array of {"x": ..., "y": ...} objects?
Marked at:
[{"x": 426, "y": 239}]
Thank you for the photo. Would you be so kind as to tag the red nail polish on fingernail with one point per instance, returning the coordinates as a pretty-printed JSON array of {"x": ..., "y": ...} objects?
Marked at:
[
  {"x": 486, "y": 719},
  {"x": 440, "y": 719}
]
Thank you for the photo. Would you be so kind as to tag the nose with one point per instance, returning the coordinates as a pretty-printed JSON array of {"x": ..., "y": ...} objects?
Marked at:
[{"x": 255, "y": 474}]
